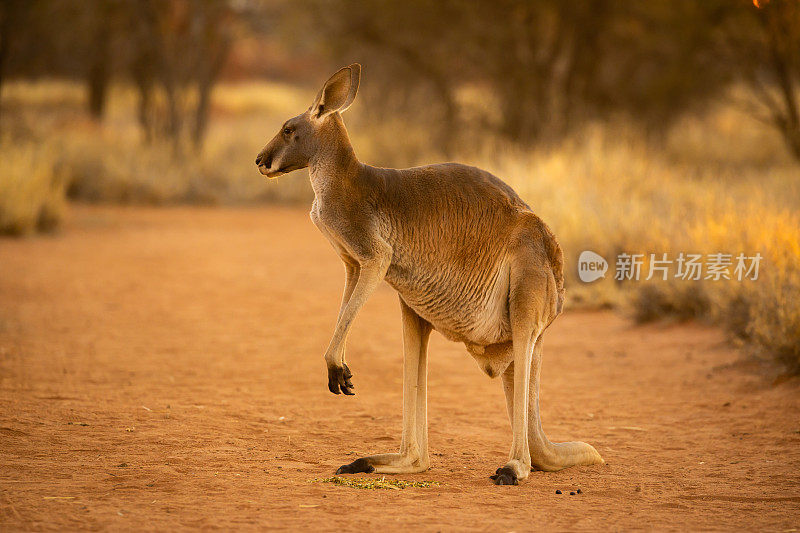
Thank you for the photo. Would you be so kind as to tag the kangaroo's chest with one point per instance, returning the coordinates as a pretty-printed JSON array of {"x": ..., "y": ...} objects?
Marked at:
[
  {"x": 316, "y": 218},
  {"x": 329, "y": 223}
]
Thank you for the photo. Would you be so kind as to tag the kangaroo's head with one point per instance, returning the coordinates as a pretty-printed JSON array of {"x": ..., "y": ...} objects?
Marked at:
[{"x": 302, "y": 137}]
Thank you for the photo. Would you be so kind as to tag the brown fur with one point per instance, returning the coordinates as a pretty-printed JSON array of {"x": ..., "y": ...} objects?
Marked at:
[{"x": 466, "y": 255}]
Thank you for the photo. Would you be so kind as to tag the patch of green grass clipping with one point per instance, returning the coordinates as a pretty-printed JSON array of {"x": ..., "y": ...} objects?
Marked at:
[{"x": 374, "y": 484}]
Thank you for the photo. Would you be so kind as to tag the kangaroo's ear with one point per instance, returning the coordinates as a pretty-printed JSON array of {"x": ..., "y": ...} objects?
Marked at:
[{"x": 338, "y": 92}]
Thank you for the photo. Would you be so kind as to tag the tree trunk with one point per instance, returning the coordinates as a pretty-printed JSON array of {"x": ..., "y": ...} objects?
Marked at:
[
  {"x": 3, "y": 53},
  {"x": 792, "y": 137},
  {"x": 144, "y": 87},
  {"x": 99, "y": 71},
  {"x": 6, "y": 14},
  {"x": 216, "y": 52},
  {"x": 789, "y": 122},
  {"x": 782, "y": 47},
  {"x": 98, "y": 89}
]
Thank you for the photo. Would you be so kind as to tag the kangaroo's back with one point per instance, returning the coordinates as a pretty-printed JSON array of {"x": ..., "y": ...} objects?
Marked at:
[{"x": 450, "y": 227}]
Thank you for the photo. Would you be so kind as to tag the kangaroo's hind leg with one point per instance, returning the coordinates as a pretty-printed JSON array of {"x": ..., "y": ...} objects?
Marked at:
[
  {"x": 546, "y": 455},
  {"x": 531, "y": 306},
  {"x": 413, "y": 456}
]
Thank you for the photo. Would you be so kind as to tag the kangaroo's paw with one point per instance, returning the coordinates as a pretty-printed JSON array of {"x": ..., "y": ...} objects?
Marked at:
[
  {"x": 357, "y": 466},
  {"x": 505, "y": 476},
  {"x": 347, "y": 376},
  {"x": 339, "y": 379}
]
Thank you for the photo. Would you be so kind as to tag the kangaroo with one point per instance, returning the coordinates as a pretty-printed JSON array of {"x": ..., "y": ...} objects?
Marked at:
[{"x": 467, "y": 257}]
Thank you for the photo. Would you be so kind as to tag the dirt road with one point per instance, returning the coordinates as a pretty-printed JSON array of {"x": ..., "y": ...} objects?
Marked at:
[{"x": 163, "y": 368}]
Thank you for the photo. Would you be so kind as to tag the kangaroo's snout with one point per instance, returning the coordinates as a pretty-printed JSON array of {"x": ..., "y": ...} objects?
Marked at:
[
  {"x": 264, "y": 163},
  {"x": 263, "y": 159}
]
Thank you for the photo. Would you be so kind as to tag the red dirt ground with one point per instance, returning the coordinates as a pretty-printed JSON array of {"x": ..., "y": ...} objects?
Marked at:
[{"x": 162, "y": 369}]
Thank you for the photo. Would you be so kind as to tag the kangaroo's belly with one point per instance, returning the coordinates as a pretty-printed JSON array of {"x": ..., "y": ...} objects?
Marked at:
[{"x": 464, "y": 305}]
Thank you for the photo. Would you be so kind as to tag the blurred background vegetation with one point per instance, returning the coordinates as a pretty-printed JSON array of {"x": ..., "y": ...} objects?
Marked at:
[{"x": 643, "y": 127}]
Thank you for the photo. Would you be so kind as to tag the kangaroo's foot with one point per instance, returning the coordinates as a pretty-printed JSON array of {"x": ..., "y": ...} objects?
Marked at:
[
  {"x": 357, "y": 466},
  {"x": 387, "y": 463},
  {"x": 339, "y": 378},
  {"x": 505, "y": 476},
  {"x": 511, "y": 473},
  {"x": 560, "y": 455}
]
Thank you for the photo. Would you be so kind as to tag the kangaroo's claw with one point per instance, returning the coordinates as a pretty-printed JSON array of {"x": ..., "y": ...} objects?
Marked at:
[
  {"x": 338, "y": 382},
  {"x": 347, "y": 376},
  {"x": 505, "y": 476}
]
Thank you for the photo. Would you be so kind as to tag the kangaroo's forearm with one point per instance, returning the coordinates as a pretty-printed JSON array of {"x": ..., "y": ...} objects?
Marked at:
[
  {"x": 350, "y": 280},
  {"x": 370, "y": 275}
]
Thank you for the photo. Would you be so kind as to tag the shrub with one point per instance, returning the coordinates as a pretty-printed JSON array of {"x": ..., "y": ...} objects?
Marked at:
[{"x": 31, "y": 192}]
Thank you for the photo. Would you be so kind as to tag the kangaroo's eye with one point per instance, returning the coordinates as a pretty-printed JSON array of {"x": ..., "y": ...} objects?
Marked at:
[{"x": 287, "y": 131}]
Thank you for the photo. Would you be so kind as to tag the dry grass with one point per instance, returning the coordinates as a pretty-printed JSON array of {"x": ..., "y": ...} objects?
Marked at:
[
  {"x": 719, "y": 183},
  {"x": 110, "y": 163},
  {"x": 31, "y": 192},
  {"x": 375, "y": 483},
  {"x": 610, "y": 197}
]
